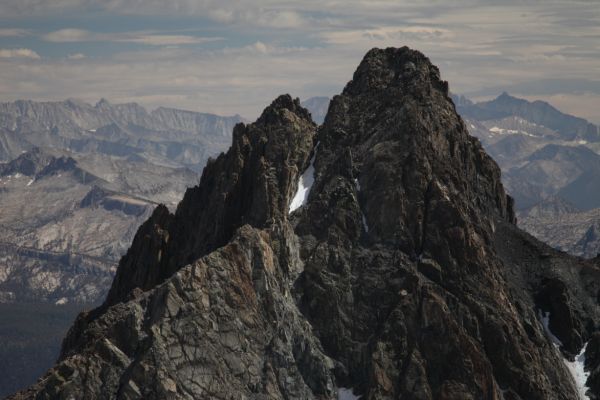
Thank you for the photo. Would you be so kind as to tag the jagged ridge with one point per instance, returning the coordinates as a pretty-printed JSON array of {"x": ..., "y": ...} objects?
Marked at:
[{"x": 403, "y": 275}]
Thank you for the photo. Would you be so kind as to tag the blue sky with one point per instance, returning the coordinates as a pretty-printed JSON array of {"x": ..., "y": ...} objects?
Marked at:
[{"x": 233, "y": 57}]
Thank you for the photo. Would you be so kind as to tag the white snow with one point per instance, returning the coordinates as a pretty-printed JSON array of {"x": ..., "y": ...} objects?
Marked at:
[
  {"x": 364, "y": 222},
  {"x": 503, "y": 131},
  {"x": 472, "y": 126},
  {"x": 61, "y": 301},
  {"x": 364, "y": 219},
  {"x": 91, "y": 130},
  {"x": 582, "y": 142},
  {"x": 304, "y": 184},
  {"x": 31, "y": 181},
  {"x": 576, "y": 367},
  {"x": 347, "y": 394}
]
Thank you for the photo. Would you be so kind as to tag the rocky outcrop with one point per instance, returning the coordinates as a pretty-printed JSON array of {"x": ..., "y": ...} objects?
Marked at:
[
  {"x": 29, "y": 163},
  {"x": 401, "y": 274},
  {"x": 251, "y": 184}
]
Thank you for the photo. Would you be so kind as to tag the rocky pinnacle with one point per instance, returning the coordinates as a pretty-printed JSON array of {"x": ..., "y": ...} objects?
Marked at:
[{"x": 401, "y": 275}]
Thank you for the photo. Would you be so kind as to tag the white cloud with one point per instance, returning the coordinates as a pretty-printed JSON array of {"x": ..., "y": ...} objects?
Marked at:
[
  {"x": 161, "y": 40},
  {"x": 19, "y": 53},
  {"x": 76, "y": 56},
  {"x": 68, "y": 35},
  {"x": 141, "y": 37},
  {"x": 388, "y": 34},
  {"x": 308, "y": 48},
  {"x": 14, "y": 32},
  {"x": 242, "y": 80}
]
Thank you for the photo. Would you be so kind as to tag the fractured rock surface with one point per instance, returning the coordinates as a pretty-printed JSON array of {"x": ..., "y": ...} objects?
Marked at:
[{"x": 403, "y": 276}]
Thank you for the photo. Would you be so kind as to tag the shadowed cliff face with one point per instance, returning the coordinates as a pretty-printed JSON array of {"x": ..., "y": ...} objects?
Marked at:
[
  {"x": 401, "y": 275},
  {"x": 251, "y": 184}
]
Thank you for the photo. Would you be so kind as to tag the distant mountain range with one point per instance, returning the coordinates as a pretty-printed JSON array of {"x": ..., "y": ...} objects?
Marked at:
[
  {"x": 164, "y": 135},
  {"x": 567, "y": 228},
  {"x": 91, "y": 174},
  {"x": 76, "y": 181},
  {"x": 566, "y": 127},
  {"x": 318, "y": 107},
  {"x": 549, "y": 159}
]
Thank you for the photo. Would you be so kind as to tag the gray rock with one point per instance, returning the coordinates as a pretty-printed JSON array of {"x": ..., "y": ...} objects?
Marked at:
[{"x": 231, "y": 297}]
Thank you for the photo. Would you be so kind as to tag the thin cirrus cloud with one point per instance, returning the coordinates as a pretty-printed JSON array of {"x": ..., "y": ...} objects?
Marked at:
[
  {"x": 71, "y": 35},
  {"x": 264, "y": 47},
  {"x": 19, "y": 53},
  {"x": 14, "y": 32},
  {"x": 387, "y": 34},
  {"x": 76, "y": 56}
]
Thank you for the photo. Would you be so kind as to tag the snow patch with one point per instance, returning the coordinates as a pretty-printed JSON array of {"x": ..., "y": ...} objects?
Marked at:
[
  {"x": 304, "y": 184},
  {"x": 364, "y": 219},
  {"x": 30, "y": 182},
  {"x": 61, "y": 301},
  {"x": 347, "y": 394},
  {"x": 364, "y": 222},
  {"x": 503, "y": 131},
  {"x": 576, "y": 367},
  {"x": 582, "y": 142}
]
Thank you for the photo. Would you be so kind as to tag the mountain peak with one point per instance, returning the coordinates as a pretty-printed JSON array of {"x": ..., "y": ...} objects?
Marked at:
[
  {"x": 402, "y": 272},
  {"x": 250, "y": 184},
  {"x": 539, "y": 112},
  {"x": 395, "y": 67},
  {"x": 277, "y": 110},
  {"x": 102, "y": 103},
  {"x": 505, "y": 98}
]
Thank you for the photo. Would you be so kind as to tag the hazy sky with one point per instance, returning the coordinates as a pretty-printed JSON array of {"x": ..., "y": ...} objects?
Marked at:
[{"x": 231, "y": 57}]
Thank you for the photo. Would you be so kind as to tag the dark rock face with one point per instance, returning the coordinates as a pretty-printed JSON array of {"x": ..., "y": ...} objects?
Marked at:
[
  {"x": 251, "y": 184},
  {"x": 401, "y": 276},
  {"x": 29, "y": 163}
]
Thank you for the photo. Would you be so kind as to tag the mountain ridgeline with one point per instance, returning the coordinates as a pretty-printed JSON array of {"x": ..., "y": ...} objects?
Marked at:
[
  {"x": 76, "y": 182},
  {"x": 548, "y": 159},
  {"x": 400, "y": 275},
  {"x": 538, "y": 112},
  {"x": 170, "y": 136}
]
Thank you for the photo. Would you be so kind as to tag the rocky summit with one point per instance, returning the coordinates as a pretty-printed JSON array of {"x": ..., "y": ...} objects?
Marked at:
[{"x": 373, "y": 257}]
